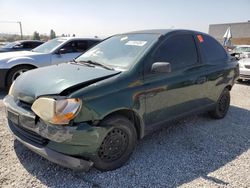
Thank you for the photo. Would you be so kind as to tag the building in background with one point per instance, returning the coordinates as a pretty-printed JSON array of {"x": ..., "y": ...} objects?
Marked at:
[{"x": 240, "y": 32}]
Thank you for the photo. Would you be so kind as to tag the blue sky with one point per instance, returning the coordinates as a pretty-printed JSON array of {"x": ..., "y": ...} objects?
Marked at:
[{"x": 107, "y": 17}]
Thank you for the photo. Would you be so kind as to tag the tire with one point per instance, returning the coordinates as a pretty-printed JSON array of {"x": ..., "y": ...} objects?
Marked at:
[
  {"x": 222, "y": 105},
  {"x": 15, "y": 72},
  {"x": 118, "y": 144}
]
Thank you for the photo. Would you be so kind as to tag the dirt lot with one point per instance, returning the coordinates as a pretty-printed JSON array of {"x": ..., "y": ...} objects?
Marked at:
[{"x": 194, "y": 152}]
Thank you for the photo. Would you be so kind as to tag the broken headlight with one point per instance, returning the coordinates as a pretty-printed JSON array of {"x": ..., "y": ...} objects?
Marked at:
[{"x": 56, "y": 111}]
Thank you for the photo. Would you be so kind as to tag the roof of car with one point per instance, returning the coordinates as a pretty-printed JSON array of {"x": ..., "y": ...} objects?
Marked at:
[
  {"x": 20, "y": 41},
  {"x": 79, "y": 38},
  {"x": 242, "y": 45},
  {"x": 162, "y": 31}
]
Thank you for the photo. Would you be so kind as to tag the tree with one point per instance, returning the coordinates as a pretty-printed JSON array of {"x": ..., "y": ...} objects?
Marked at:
[
  {"x": 36, "y": 36},
  {"x": 63, "y": 35},
  {"x": 52, "y": 34},
  {"x": 73, "y": 35}
]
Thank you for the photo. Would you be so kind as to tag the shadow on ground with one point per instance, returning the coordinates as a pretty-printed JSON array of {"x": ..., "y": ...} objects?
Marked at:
[{"x": 183, "y": 151}]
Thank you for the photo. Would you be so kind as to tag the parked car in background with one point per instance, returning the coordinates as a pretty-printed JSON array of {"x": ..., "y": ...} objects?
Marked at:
[
  {"x": 59, "y": 50},
  {"x": 20, "y": 45},
  {"x": 92, "y": 111},
  {"x": 244, "y": 69},
  {"x": 242, "y": 51}
]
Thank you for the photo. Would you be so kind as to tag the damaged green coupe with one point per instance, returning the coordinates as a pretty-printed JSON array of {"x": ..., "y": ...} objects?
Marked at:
[{"x": 93, "y": 110}]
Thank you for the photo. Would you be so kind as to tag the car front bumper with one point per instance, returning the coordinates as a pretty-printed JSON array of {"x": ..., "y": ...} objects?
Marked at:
[
  {"x": 3, "y": 74},
  {"x": 64, "y": 145}
]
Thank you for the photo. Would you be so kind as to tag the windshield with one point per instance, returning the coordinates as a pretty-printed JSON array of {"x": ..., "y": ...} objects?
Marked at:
[
  {"x": 49, "y": 46},
  {"x": 242, "y": 49},
  {"x": 120, "y": 51},
  {"x": 11, "y": 45}
]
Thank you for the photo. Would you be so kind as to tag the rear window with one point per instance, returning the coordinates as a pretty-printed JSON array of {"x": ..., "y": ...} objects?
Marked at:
[{"x": 211, "y": 49}]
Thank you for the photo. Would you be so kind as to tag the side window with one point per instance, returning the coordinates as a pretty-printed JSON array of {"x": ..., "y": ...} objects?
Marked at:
[
  {"x": 212, "y": 50},
  {"x": 92, "y": 43},
  {"x": 180, "y": 51},
  {"x": 35, "y": 44},
  {"x": 70, "y": 47},
  {"x": 81, "y": 46},
  {"x": 27, "y": 45}
]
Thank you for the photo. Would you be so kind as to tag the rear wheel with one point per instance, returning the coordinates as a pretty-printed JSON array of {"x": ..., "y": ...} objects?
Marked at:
[
  {"x": 118, "y": 144},
  {"x": 222, "y": 105},
  {"x": 15, "y": 72}
]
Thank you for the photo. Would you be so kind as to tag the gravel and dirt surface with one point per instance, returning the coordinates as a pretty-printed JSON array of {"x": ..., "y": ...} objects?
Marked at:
[{"x": 194, "y": 152}]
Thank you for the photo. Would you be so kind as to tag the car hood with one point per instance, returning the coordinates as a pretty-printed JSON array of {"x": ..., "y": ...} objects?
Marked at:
[
  {"x": 9, "y": 55},
  {"x": 55, "y": 79}
]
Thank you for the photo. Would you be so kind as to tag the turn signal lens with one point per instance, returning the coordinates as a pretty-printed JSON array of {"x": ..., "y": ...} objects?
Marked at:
[{"x": 56, "y": 111}]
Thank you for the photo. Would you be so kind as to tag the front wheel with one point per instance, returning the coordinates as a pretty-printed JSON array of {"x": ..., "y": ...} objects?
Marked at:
[
  {"x": 16, "y": 72},
  {"x": 222, "y": 105},
  {"x": 118, "y": 144}
]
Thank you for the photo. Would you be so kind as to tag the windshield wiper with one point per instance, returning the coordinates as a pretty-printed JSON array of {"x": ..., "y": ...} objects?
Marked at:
[{"x": 96, "y": 64}]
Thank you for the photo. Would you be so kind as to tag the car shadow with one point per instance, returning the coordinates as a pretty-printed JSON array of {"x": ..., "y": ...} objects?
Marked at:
[{"x": 179, "y": 153}]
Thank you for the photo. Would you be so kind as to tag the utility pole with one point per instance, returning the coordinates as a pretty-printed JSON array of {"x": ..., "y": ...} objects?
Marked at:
[
  {"x": 20, "y": 26},
  {"x": 21, "y": 29}
]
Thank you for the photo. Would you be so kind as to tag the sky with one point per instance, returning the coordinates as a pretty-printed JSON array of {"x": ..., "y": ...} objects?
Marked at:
[{"x": 108, "y": 17}]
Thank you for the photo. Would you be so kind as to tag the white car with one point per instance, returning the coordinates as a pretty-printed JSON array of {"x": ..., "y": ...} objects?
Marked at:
[
  {"x": 242, "y": 50},
  {"x": 244, "y": 69},
  {"x": 59, "y": 50}
]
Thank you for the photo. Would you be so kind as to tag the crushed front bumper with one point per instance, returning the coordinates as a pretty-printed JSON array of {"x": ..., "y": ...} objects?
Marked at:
[
  {"x": 64, "y": 145},
  {"x": 51, "y": 155}
]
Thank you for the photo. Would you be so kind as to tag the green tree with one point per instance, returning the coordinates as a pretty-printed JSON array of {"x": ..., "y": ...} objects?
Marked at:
[
  {"x": 36, "y": 36},
  {"x": 52, "y": 34}
]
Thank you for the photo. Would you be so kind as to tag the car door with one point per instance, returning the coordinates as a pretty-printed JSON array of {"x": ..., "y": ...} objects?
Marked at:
[
  {"x": 69, "y": 51},
  {"x": 169, "y": 95}
]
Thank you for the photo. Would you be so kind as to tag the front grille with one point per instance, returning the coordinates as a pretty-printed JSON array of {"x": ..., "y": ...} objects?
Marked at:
[
  {"x": 30, "y": 135},
  {"x": 247, "y": 66}
]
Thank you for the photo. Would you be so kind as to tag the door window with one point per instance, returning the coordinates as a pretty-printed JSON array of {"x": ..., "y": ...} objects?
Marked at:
[
  {"x": 76, "y": 47},
  {"x": 180, "y": 51}
]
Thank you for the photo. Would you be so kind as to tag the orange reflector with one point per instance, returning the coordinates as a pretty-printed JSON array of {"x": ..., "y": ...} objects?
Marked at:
[
  {"x": 200, "y": 38},
  {"x": 63, "y": 118}
]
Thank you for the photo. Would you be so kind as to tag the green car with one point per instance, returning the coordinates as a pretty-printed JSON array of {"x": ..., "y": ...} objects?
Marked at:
[{"x": 92, "y": 111}]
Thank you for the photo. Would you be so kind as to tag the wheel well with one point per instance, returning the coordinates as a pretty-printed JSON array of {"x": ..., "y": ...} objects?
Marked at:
[
  {"x": 133, "y": 117},
  {"x": 29, "y": 65}
]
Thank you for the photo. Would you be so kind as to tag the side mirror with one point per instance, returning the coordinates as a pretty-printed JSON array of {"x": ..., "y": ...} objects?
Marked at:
[
  {"x": 62, "y": 51},
  {"x": 161, "y": 67}
]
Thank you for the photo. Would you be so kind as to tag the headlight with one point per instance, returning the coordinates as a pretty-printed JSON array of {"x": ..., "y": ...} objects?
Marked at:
[{"x": 56, "y": 111}]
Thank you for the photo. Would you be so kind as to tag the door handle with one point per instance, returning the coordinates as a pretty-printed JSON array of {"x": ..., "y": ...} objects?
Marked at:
[{"x": 201, "y": 80}]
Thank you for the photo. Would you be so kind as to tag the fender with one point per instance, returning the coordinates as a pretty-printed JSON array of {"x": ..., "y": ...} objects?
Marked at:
[{"x": 20, "y": 61}]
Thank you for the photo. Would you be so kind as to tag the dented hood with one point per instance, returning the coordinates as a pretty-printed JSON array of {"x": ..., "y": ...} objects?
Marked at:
[{"x": 55, "y": 79}]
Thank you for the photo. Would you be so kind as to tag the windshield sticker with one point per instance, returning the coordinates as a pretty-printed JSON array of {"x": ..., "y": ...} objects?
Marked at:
[
  {"x": 136, "y": 43},
  {"x": 124, "y": 38}
]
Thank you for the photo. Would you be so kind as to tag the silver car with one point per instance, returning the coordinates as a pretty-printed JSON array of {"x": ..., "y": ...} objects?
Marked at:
[
  {"x": 59, "y": 50},
  {"x": 244, "y": 69},
  {"x": 242, "y": 50}
]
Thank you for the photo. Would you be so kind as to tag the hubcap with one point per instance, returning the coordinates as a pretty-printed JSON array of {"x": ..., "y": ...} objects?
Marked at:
[
  {"x": 114, "y": 145},
  {"x": 18, "y": 73}
]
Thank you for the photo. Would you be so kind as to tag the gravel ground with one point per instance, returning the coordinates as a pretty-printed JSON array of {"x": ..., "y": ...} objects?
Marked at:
[{"x": 194, "y": 152}]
